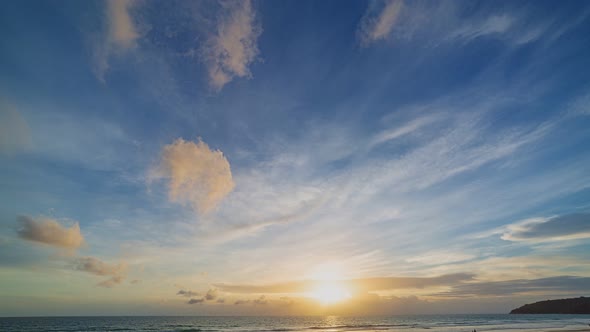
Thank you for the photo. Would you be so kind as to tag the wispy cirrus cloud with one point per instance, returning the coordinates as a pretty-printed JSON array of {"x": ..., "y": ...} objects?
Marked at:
[
  {"x": 196, "y": 175},
  {"x": 232, "y": 47},
  {"x": 378, "y": 20},
  {"x": 558, "y": 228},
  {"x": 120, "y": 36},
  {"x": 435, "y": 23},
  {"x": 447, "y": 144},
  {"x": 50, "y": 232}
]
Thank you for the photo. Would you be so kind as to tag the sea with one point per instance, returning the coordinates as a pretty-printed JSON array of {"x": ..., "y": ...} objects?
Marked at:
[{"x": 457, "y": 323}]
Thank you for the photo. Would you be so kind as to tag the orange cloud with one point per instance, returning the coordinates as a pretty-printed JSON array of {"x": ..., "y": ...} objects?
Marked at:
[
  {"x": 197, "y": 175},
  {"x": 356, "y": 285},
  {"x": 97, "y": 267},
  {"x": 50, "y": 232}
]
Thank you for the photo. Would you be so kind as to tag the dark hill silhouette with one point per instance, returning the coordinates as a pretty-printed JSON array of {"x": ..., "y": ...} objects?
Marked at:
[{"x": 580, "y": 305}]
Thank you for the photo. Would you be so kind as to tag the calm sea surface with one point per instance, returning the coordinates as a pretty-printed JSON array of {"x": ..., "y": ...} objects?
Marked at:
[{"x": 307, "y": 324}]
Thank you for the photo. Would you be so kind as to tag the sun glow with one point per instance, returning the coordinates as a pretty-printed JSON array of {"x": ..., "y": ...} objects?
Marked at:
[{"x": 330, "y": 293}]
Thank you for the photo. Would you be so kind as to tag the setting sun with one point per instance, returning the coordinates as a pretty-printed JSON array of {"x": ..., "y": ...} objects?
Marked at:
[{"x": 329, "y": 293}]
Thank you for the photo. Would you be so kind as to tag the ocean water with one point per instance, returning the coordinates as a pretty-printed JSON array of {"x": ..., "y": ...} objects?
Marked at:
[{"x": 449, "y": 323}]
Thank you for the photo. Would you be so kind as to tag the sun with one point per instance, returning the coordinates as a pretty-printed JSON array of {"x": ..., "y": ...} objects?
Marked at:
[{"x": 329, "y": 293}]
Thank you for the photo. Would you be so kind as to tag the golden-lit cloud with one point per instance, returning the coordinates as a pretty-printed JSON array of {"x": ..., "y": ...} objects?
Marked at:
[
  {"x": 195, "y": 297},
  {"x": 97, "y": 267},
  {"x": 187, "y": 293},
  {"x": 122, "y": 29},
  {"x": 232, "y": 48},
  {"x": 111, "y": 282},
  {"x": 377, "y": 23},
  {"x": 572, "y": 285},
  {"x": 354, "y": 285},
  {"x": 121, "y": 34},
  {"x": 196, "y": 175},
  {"x": 557, "y": 228},
  {"x": 211, "y": 294},
  {"x": 196, "y": 301},
  {"x": 50, "y": 232}
]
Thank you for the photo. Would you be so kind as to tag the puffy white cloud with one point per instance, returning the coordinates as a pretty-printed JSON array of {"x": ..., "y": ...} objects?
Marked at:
[
  {"x": 197, "y": 175},
  {"x": 50, "y": 232},
  {"x": 230, "y": 50}
]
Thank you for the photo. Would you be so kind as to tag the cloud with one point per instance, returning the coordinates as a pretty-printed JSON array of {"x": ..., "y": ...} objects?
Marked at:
[
  {"x": 240, "y": 302},
  {"x": 357, "y": 285},
  {"x": 565, "y": 227},
  {"x": 220, "y": 301},
  {"x": 109, "y": 283},
  {"x": 496, "y": 24},
  {"x": 15, "y": 134},
  {"x": 230, "y": 50},
  {"x": 197, "y": 175},
  {"x": 122, "y": 29},
  {"x": 433, "y": 23},
  {"x": 261, "y": 300},
  {"x": 211, "y": 295},
  {"x": 121, "y": 34},
  {"x": 97, "y": 267},
  {"x": 553, "y": 285},
  {"x": 50, "y": 232},
  {"x": 580, "y": 106},
  {"x": 196, "y": 301},
  {"x": 187, "y": 293},
  {"x": 439, "y": 257},
  {"x": 406, "y": 129},
  {"x": 378, "y": 21}
]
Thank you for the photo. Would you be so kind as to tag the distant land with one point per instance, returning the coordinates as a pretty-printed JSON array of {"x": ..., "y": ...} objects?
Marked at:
[{"x": 579, "y": 305}]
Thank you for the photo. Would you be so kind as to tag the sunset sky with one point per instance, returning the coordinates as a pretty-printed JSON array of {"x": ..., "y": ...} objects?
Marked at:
[{"x": 293, "y": 157}]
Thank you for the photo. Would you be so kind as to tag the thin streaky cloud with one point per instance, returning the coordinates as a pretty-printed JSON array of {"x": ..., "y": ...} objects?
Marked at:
[
  {"x": 358, "y": 285},
  {"x": 557, "y": 228},
  {"x": 377, "y": 23},
  {"x": 121, "y": 34}
]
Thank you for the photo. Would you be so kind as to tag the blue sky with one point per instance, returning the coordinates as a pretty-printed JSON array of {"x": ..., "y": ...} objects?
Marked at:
[{"x": 154, "y": 152}]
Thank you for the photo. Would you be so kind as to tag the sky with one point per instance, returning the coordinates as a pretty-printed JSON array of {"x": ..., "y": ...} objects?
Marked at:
[{"x": 292, "y": 157}]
